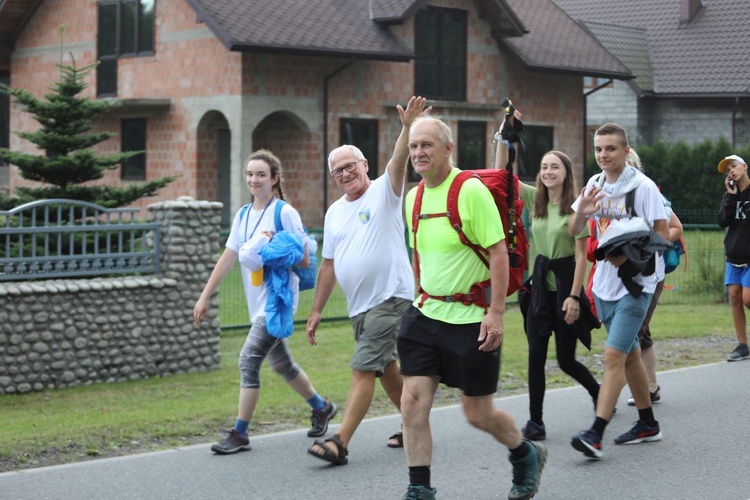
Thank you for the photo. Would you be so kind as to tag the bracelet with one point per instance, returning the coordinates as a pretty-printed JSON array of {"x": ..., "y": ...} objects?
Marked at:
[
  {"x": 573, "y": 296},
  {"x": 499, "y": 139}
]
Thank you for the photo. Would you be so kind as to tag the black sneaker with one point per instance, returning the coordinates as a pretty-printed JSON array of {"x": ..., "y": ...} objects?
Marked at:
[
  {"x": 589, "y": 443},
  {"x": 533, "y": 431},
  {"x": 740, "y": 352},
  {"x": 320, "y": 418},
  {"x": 233, "y": 443},
  {"x": 527, "y": 472},
  {"x": 640, "y": 433}
]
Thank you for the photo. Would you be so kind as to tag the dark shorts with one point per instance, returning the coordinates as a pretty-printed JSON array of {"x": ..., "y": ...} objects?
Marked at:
[
  {"x": 644, "y": 334},
  {"x": 430, "y": 347}
]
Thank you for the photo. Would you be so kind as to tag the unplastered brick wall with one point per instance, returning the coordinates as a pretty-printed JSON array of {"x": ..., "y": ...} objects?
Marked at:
[{"x": 70, "y": 332}]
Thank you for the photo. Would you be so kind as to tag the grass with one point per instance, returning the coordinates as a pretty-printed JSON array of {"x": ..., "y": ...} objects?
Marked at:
[{"x": 51, "y": 427}]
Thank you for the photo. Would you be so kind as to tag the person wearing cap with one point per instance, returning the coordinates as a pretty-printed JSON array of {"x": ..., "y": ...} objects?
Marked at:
[
  {"x": 734, "y": 217},
  {"x": 622, "y": 305},
  {"x": 253, "y": 228}
]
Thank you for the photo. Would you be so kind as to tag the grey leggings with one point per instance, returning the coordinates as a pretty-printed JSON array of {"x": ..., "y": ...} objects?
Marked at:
[{"x": 259, "y": 345}]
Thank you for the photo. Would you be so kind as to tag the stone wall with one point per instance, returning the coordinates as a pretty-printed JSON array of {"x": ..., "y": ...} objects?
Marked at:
[{"x": 69, "y": 332}]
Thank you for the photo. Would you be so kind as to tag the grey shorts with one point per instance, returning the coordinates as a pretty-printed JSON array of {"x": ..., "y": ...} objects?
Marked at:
[{"x": 375, "y": 332}]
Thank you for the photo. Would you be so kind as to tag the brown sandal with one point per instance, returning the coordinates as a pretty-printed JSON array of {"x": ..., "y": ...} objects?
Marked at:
[
  {"x": 396, "y": 441},
  {"x": 336, "y": 458}
]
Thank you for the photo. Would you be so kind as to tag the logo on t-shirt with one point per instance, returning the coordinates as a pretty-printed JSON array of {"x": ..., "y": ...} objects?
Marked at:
[{"x": 364, "y": 216}]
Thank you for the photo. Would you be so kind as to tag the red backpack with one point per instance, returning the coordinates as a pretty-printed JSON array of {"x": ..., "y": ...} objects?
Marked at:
[{"x": 516, "y": 241}]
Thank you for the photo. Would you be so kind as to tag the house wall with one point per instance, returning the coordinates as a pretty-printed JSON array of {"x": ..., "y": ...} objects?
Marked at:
[
  {"x": 276, "y": 100},
  {"x": 618, "y": 104},
  {"x": 694, "y": 121},
  {"x": 189, "y": 66}
]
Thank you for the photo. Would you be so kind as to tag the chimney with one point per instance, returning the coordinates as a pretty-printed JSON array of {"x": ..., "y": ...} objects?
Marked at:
[{"x": 688, "y": 10}]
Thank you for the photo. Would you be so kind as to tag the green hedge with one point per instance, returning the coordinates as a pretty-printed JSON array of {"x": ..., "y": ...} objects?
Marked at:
[{"x": 686, "y": 174}]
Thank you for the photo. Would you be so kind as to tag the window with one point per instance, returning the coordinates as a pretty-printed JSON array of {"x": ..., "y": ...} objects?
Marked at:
[
  {"x": 126, "y": 29},
  {"x": 440, "y": 44},
  {"x": 364, "y": 135},
  {"x": 472, "y": 145},
  {"x": 590, "y": 82},
  {"x": 133, "y": 136},
  {"x": 537, "y": 141}
]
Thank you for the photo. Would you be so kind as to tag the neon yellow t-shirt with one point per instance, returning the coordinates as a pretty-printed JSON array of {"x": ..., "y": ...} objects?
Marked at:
[{"x": 447, "y": 266}]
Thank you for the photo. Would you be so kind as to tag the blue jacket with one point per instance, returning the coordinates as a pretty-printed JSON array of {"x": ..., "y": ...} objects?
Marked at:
[{"x": 283, "y": 251}]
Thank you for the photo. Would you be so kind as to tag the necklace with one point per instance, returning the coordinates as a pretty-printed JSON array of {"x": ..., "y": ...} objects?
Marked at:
[{"x": 259, "y": 218}]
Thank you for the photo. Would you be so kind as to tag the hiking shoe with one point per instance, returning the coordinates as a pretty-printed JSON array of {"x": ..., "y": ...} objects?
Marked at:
[
  {"x": 320, "y": 418},
  {"x": 527, "y": 472},
  {"x": 740, "y": 352},
  {"x": 655, "y": 396},
  {"x": 233, "y": 443},
  {"x": 640, "y": 433},
  {"x": 419, "y": 493},
  {"x": 588, "y": 442},
  {"x": 533, "y": 431}
]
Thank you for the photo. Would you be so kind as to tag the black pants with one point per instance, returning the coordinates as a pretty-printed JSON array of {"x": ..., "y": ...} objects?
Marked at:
[{"x": 565, "y": 344}]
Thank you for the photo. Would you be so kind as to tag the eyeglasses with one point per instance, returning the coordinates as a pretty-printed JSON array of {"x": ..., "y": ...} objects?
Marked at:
[{"x": 349, "y": 167}]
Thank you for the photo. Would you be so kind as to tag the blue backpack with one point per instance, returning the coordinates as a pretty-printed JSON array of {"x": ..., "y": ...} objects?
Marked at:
[{"x": 306, "y": 274}]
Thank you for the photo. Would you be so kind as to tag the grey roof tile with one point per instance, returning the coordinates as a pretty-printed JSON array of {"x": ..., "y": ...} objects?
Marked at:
[
  {"x": 334, "y": 27},
  {"x": 555, "y": 41},
  {"x": 710, "y": 55},
  {"x": 629, "y": 45}
]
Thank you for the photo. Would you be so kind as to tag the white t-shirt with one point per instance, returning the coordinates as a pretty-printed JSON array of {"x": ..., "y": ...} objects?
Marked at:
[
  {"x": 365, "y": 239},
  {"x": 647, "y": 204},
  {"x": 251, "y": 224}
]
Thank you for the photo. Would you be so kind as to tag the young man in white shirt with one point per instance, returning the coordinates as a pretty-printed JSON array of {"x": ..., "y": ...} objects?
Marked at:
[{"x": 604, "y": 200}]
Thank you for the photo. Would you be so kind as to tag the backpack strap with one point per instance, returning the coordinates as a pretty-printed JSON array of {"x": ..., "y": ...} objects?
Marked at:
[
  {"x": 630, "y": 203},
  {"x": 277, "y": 215},
  {"x": 455, "y": 217}
]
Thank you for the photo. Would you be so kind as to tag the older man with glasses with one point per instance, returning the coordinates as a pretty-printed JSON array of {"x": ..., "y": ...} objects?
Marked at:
[{"x": 364, "y": 250}]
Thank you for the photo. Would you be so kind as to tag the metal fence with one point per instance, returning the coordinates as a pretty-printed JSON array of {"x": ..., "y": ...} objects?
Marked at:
[{"x": 60, "y": 238}]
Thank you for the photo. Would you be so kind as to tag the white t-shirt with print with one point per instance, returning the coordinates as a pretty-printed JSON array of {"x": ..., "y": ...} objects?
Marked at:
[
  {"x": 647, "y": 204},
  {"x": 365, "y": 239},
  {"x": 251, "y": 224}
]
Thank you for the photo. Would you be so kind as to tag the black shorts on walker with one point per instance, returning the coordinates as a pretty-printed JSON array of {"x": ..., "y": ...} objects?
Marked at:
[{"x": 428, "y": 347}]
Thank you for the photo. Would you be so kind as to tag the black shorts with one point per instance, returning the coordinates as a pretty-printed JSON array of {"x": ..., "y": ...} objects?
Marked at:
[{"x": 428, "y": 347}]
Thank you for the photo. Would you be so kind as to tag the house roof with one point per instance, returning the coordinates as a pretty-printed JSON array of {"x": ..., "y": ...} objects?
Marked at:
[
  {"x": 629, "y": 45},
  {"x": 555, "y": 42},
  {"x": 330, "y": 27},
  {"x": 539, "y": 33},
  {"x": 706, "y": 56}
]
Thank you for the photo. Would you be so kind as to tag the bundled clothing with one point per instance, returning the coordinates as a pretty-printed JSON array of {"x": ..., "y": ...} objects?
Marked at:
[
  {"x": 283, "y": 251},
  {"x": 536, "y": 300},
  {"x": 639, "y": 243}
]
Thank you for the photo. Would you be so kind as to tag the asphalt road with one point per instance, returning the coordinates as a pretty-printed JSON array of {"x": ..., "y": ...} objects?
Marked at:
[{"x": 704, "y": 415}]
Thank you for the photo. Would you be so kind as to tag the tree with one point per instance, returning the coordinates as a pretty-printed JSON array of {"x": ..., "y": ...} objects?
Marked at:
[{"x": 66, "y": 136}]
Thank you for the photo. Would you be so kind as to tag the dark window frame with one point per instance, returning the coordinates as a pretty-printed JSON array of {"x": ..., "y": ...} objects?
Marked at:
[
  {"x": 140, "y": 44},
  {"x": 432, "y": 70},
  {"x": 362, "y": 133},
  {"x": 472, "y": 156},
  {"x": 134, "y": 168}
]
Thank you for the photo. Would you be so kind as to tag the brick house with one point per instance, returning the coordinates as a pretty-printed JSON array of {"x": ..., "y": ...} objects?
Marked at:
[
  {"x": 690, "y": 62},
  {"x": 204, "y": 83}
]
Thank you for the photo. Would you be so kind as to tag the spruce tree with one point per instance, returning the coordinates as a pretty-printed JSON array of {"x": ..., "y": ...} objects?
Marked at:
[{"x": 66, "y": 135}]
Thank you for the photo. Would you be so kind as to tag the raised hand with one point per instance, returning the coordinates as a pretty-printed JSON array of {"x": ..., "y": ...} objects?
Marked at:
[{"x": 414, "y": 109}]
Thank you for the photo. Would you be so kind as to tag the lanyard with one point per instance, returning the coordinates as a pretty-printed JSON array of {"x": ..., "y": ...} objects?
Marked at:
[{"x": 259, "y": 219}]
